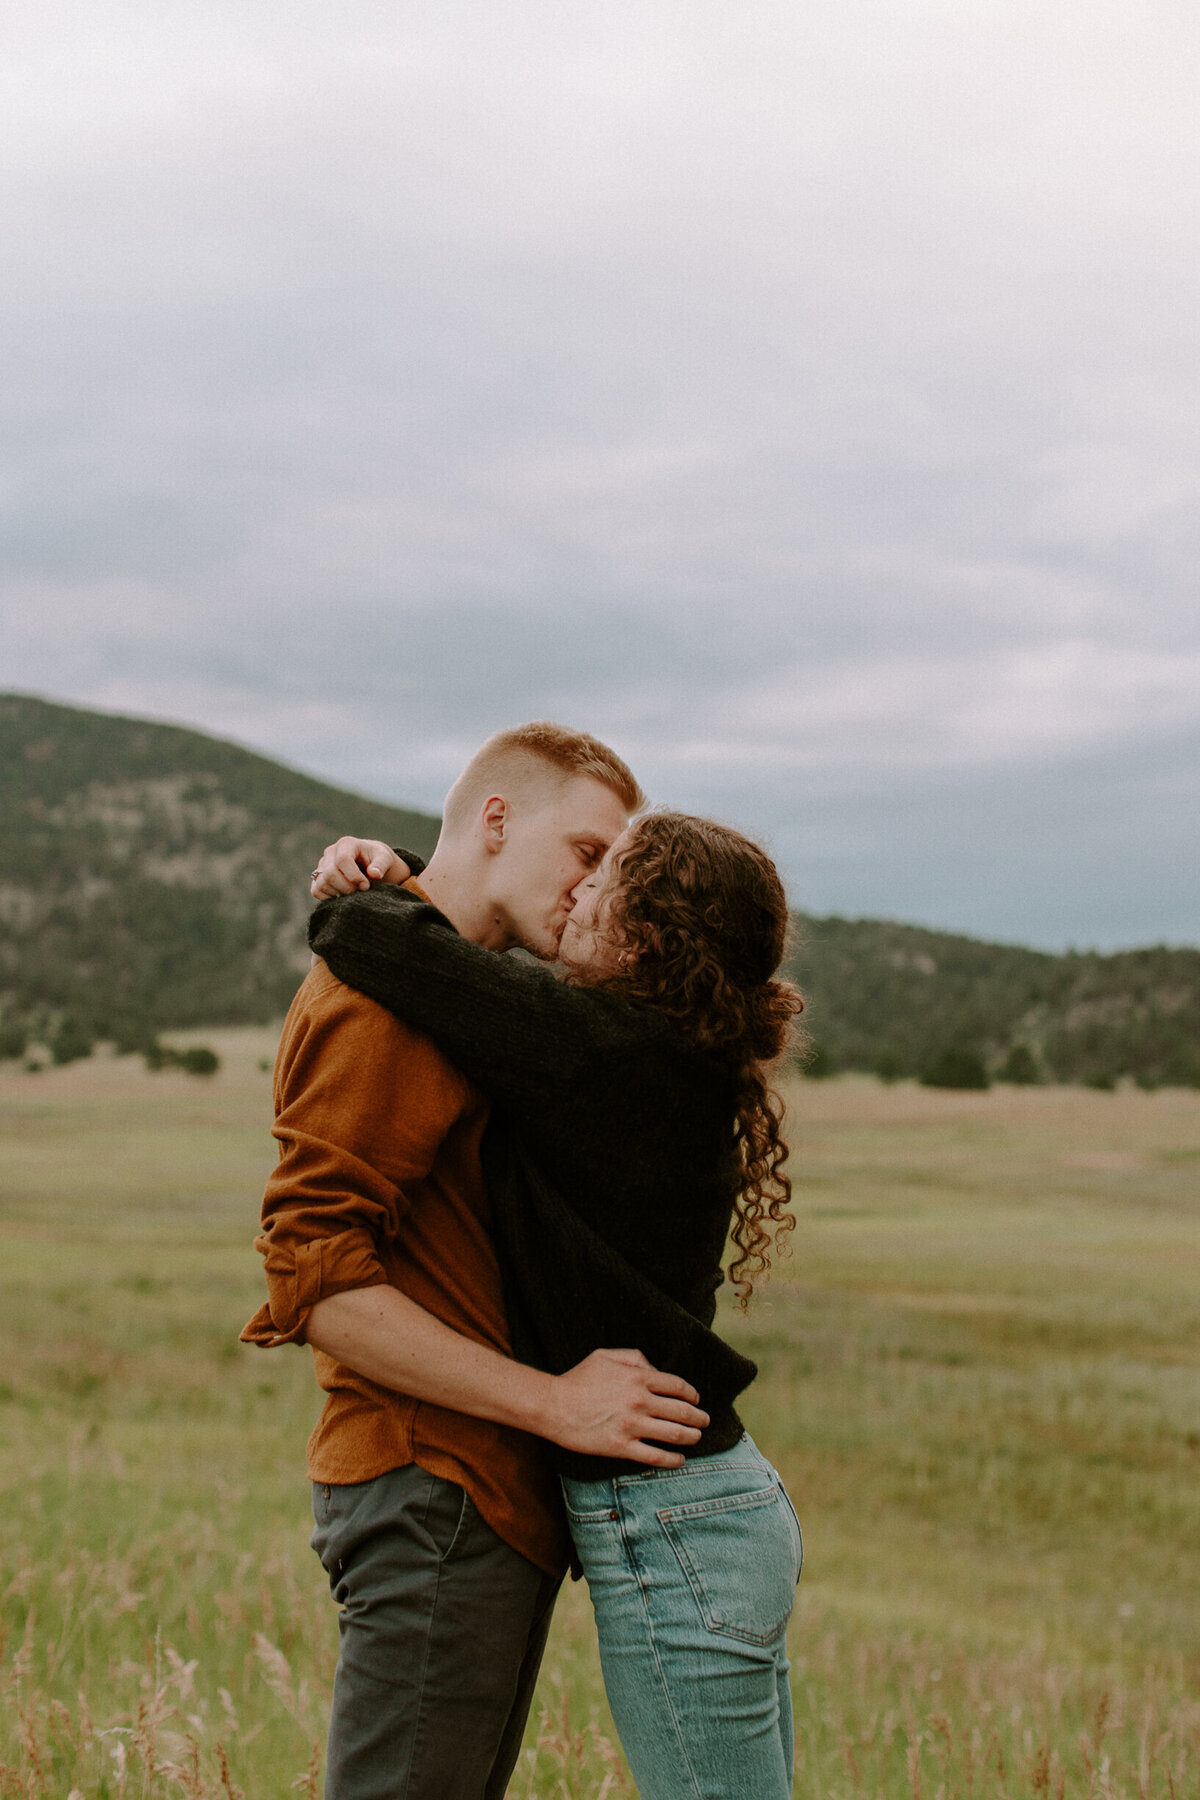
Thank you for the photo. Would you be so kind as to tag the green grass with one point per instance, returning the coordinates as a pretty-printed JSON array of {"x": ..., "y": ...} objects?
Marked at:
[{"x": 980, "y": 1379}]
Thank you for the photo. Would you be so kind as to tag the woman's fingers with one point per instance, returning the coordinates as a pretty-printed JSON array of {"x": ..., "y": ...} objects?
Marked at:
[
  {"x": 377, "y": 858},
  {"x": 338, "y": 870},
  {"x": 381, "y": 860},
  {"x": 326, "y": 883},
  {"x": 350, "y": 865},
  {"x": 350, "y": 857}
]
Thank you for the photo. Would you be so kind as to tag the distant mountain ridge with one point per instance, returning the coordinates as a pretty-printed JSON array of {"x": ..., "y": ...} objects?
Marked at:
[
  {"x": 891, "y": 997},
  {"x": 152, "y": 876}
]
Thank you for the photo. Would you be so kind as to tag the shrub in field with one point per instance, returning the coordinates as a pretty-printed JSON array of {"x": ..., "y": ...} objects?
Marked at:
[
  {"x": 1103, "y": 1080},
  {"x": 888, "y": 1066},
  {"x": 819, "y": 1063},
  {"x": 132, "y": 1037},
  {"x": 958, "y": 1066},
  {"x": 71, "y": 1042},
  {"x": 1020, "y": 1067},
  {"x": 198, "y": 1060},
  {"x": 13, "y": 1039}
]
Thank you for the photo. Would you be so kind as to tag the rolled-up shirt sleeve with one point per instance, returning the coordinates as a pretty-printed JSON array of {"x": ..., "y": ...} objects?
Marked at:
[{"x": 362, "y": 1104}]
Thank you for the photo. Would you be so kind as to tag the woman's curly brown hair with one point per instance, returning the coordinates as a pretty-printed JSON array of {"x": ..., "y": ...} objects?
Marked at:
[{"x": 703, "y": 917}]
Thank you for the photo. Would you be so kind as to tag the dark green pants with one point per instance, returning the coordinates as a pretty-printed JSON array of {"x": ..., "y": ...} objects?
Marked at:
[{"x": 442, "y": 1632}]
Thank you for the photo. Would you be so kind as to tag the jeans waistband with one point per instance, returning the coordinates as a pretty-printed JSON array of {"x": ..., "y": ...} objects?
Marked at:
[{"x": 745, "y": 1454}]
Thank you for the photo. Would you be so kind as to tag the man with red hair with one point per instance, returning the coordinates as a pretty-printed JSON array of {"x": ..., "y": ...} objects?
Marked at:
[{"x": 438, "y": 1520}]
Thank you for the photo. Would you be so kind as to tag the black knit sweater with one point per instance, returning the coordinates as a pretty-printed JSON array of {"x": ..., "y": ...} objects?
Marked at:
[{"x": 609, "y": 1161}]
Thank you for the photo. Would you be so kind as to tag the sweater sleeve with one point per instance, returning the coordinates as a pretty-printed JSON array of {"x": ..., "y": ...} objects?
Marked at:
[{"x": 510, "y": 1026}]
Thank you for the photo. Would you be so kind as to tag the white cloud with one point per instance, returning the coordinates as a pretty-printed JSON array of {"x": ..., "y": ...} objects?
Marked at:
[
  {"x": 1013, "y": 709},
  {"x": 808, "y": 397}
]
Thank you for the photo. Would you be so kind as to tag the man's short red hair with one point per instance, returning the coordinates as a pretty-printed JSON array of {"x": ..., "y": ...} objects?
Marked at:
[{"x": 513, "y": 756}]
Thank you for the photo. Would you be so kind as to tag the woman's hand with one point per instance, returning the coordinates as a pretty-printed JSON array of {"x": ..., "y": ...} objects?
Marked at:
[{"x": 354, "y": 863}]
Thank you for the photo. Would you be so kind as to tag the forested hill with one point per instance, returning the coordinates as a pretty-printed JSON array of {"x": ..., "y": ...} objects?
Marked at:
[
  {"x": 893, "y": 997},
  {"x": 151, "y": 877}
]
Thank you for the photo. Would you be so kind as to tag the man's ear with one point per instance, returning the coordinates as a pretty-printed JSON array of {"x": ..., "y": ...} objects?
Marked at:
[{"x": 494, "y": 819}]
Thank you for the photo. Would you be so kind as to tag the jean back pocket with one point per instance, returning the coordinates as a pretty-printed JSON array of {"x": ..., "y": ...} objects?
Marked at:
[{"x": 740, "y": 1556}]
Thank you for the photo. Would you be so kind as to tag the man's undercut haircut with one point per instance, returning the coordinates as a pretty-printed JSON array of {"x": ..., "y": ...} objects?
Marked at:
[{"x": 520, "y": 759}]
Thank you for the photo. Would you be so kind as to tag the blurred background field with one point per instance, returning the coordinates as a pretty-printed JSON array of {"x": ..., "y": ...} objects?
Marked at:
[{"x": 980, "y": 1379}]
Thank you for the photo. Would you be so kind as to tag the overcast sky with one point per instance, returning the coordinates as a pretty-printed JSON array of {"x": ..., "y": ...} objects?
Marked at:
[{"x": 803, "y": 396}]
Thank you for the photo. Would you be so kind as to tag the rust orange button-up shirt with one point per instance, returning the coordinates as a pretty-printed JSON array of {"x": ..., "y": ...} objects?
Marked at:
[{"x": 379, "y": 1180}]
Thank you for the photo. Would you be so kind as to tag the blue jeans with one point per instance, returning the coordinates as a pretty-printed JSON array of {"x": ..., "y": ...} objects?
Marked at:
[{"x": 692, "y": 1574}]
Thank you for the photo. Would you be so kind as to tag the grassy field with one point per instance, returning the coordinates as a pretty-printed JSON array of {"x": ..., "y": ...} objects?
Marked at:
[{"x": 980, "y": 1379}]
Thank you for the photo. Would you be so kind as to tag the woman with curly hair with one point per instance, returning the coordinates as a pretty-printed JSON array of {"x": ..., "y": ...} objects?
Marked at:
[{"x": 634, "y": 1133}]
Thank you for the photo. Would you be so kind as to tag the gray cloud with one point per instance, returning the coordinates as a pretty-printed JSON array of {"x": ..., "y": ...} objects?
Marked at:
[{"x": 808, "y": 400}]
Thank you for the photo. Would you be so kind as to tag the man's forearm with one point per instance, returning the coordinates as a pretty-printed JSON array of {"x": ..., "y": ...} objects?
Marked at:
[
  {"x": 382, "y": 1334},
  {"x": 613, "y": 1404}
]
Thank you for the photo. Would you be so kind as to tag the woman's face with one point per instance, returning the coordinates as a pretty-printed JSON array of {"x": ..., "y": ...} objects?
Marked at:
[{"x": 586, "y": 949}]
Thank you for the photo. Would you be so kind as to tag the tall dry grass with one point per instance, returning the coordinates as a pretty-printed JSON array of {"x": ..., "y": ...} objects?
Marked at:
[{"x": 979, "y": 1378}]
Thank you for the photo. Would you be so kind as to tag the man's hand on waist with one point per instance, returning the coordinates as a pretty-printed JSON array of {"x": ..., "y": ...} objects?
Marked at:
[
  {"x": 607, "y": 1405},
  {"x": 612, "y": 1402}
]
